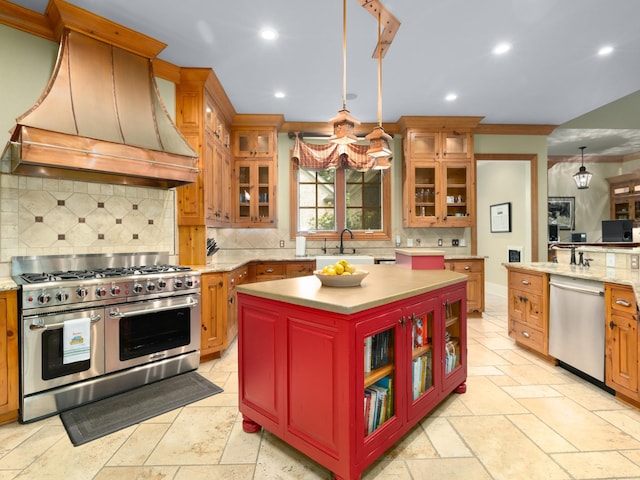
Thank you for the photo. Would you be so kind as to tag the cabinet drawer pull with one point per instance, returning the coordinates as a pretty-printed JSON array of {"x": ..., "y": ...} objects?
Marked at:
[
  {"x": 525, "y": 334},
  {"x": 269, "y": 270},
  {"x": 623, "y": 302},
  {"x": 467, "y": 267},
  {"x": 525, "y": 282}
]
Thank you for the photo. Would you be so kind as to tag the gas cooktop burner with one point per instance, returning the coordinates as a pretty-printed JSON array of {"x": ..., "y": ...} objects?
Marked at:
[{"x": 58, "y": 276}]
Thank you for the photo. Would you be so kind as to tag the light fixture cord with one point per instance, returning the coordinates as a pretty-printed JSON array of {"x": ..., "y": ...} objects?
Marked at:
[
  {"x": 344, "y": 54},
  {"x": 379, "y": 71}
]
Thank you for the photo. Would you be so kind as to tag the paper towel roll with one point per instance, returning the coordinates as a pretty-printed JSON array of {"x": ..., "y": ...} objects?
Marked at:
[{"x": 301, "y": 246}]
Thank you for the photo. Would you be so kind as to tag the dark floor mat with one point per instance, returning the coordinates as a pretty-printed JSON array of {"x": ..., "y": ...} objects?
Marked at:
[{"x": 94, "y": 420}]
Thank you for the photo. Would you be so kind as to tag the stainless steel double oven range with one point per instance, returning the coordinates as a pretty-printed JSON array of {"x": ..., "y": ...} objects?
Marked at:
[{"x": 141, "y": 320}]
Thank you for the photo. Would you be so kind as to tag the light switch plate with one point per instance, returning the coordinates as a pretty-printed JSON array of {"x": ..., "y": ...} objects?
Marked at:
[{"x": 634, "y": 262}]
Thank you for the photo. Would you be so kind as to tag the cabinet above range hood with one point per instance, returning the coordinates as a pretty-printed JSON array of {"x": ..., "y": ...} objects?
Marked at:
[{"x": 100, "y": 119}]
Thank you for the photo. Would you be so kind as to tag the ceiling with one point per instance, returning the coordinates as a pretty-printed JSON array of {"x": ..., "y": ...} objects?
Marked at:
[{"x": 551, "y": 75}]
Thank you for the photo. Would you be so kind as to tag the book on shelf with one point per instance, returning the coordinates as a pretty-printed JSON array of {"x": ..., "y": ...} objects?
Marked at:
[
  {"x": 378, "y": 406},
  {"x": 421, "y": 374},
  {"x": 376, "y": 350}
]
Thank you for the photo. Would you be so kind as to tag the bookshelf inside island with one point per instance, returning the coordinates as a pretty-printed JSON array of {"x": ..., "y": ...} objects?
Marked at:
[{"x": 343, "y": 383}]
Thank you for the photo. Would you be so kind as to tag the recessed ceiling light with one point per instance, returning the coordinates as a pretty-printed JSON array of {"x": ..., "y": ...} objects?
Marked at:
[
  {"x": 279, "y": 94},
  {"x": 606, "y": 50},
  {"x": 451, "y": 97},
  {"x": 269, "y": 34},
  {"x": 501, "y": 48}
]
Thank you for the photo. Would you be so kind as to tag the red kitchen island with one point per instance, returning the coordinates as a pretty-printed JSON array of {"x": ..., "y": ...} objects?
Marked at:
[{"x": 342, "y": 373}]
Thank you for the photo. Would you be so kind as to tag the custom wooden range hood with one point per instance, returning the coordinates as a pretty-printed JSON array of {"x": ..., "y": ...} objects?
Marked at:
[{"x": 100, "y": 118}]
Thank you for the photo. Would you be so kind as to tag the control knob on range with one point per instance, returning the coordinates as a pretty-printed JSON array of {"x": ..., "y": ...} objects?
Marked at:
[
  {"x": 189, "y": 282},
  {"x": 151, "y": 286},
  {"x": 81, "y": 292},
  {"x": 101, "y": 291},
  {"x": 44, "y": 298},
  {"x": 162, "y": 283},
  {"x": 62, "y": 296},
  {"x": 177, "y": 283},
  {"x": 137, "y": 288},
  {"x": 115, "y": 290}
]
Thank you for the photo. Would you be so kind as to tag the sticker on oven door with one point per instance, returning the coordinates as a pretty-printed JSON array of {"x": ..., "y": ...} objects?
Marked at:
[{"x": 76, "y": 338}]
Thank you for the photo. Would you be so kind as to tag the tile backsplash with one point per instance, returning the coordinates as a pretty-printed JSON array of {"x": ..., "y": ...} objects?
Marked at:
[{"x": 40, "y": 216}]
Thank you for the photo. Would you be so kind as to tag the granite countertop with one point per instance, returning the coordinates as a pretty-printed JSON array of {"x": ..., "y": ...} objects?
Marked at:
[
  {"x": 601, "y": 274},
  {"x": 227, "y": 260},
  {"x": 383, "y": 285},
  {"x": 7, "y": 283}
]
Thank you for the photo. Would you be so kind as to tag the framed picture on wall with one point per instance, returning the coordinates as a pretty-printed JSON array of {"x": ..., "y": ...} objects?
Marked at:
[
  {"x": 562, "y": 212},
  {"x": 500, "y": 217}
]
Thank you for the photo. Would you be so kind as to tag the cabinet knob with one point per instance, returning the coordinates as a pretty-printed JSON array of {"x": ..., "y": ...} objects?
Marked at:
[
  {"x": 612, "y": 324},
  {"x": 525, "y": 334},
  {"x": 525, "y": 282}
]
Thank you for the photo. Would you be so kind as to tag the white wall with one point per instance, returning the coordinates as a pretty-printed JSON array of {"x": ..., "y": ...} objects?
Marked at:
[{"x": 514, "y": 180}]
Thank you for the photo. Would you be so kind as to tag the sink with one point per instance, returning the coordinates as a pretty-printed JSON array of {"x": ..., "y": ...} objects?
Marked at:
[{"x": 324, "y": 260}]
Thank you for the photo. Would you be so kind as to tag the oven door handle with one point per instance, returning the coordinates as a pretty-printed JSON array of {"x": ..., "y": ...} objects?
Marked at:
[
  {"x": 117, "y": 313},
  {"x": 37, "y": 323}
]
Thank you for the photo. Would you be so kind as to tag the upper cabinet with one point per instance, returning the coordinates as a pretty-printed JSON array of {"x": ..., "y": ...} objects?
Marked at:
[
  {"x": 254, "y": 143},
  {"x": 255, "y": 167},
  {"x": 205, "y": 124},
  {"x": 624, "y": 197},
  {"x": 440, "y": 145},
  {"x": 438, "y": 172}
]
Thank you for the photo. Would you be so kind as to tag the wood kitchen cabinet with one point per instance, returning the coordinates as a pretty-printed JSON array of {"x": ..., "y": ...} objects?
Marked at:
[
  {"x": 474, "y": 269},
  {"x": 203, "y": 116},
  {"x": 213, "y": 314},
  {"x": 8, "y": 356},
  {"x": 254, "y": 143},
  {"x": 236, "y": 277},
  {"x": 624, "y": 197},
  {"x": 219, "y": 299},
  {"x": 205, "y": 126},
  {"x": 255, "y": 167},
  {"x": 312, "y": 377},
  {"x": 528, "y": 295},
  {"x": 438, "y": 172},
  {"x": 621, "y": 340}
]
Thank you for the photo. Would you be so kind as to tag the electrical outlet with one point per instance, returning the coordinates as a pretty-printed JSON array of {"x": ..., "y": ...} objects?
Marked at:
[
  {"x": 634, "y": 262},
  {"x": 455, "y": 242},
  {"x": 439, "y": 242},
  {"x": 281, "y": 243}
]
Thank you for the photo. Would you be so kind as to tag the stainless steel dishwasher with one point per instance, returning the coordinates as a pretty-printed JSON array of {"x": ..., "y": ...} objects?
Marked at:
[{"x": 576, "y": 324}]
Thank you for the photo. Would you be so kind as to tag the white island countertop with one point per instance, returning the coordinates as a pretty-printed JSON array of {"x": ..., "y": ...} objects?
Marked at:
[{"x": 383, "y": 285}]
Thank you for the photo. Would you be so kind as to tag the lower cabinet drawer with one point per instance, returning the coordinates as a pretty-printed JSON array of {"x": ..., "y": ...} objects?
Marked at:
[{"x": 525, "y": 335}]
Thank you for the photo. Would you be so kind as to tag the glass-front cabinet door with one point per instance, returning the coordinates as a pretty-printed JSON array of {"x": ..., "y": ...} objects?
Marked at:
[
  {"x": 254, "y": 192},
  {"x": 420, "y": 320},
  {"x": 455, "y": 331},
  {"x": 456, "y": 184},
  {"x": 379, "y": 339},
  {"x": 423, "y": 193},
  {"x": 254, "y": 143}
]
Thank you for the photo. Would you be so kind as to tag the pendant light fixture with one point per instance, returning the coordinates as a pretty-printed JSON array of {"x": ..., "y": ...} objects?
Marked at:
[
  {"x": 378, "y": 139},
  {"x": 582, "y": 177},
  {"x": 344, "y": 124}
]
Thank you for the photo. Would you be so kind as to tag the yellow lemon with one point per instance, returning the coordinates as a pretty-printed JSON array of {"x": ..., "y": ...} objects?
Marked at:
[
  {"x": 330, "y": 270},
  {"x": 350, "y": 268},
  {"x": 343, "y": 262},
  {"x": 339, "y": 268},
  {"x": 346, "y": 273}
]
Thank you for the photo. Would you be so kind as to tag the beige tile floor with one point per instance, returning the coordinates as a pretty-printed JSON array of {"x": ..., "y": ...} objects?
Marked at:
[{"x": 521, "y": 418}]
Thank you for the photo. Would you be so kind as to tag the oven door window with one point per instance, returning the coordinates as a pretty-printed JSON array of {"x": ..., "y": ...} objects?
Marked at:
[
  {"x": 52, "y": 366},
  {"x": 149, "y": 333}
]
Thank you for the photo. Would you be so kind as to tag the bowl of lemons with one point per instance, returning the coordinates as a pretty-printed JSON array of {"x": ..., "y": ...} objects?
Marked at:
[{"x": 341, "y": 274}]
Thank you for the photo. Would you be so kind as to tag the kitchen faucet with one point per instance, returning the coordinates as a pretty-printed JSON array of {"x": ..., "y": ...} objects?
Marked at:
[{"x": 342, "y": 242}]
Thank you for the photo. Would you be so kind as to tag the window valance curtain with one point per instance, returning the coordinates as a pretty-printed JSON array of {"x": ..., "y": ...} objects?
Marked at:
[{"x": 330, "y": 155}]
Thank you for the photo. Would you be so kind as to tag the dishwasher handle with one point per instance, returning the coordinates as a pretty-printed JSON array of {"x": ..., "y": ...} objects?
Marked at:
[{"x": 573, "y": 288}]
